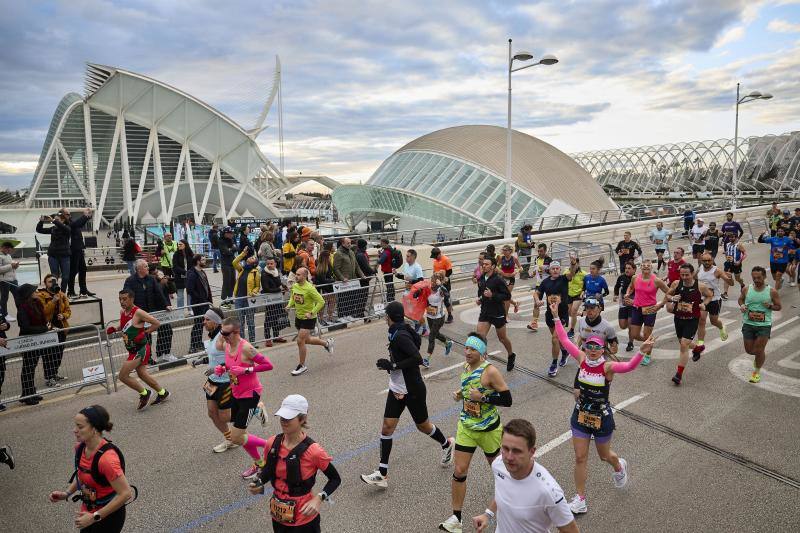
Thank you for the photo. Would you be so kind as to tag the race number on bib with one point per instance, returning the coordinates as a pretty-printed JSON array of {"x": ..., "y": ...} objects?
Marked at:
[
  {"x": 209, "y": 388},
  {"x": 553, "y": 299},
  {"x": 472, "y": 408},
  {"x": 756, "y": 316},
  {"x": 282, "y": 510},
  {"x": 685, "y": 307},
  {"x": 589, "y": 420},
  {"x": 649, "y": 310}
]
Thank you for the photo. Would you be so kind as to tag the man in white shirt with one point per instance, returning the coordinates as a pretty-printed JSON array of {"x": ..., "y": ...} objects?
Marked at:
[
  {"x": 697, "y": 235},
  {"x": 526, "y": 497}
]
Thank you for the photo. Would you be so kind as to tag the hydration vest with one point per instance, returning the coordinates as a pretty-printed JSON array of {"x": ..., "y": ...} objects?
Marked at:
[{"x": 297, "y": 485}]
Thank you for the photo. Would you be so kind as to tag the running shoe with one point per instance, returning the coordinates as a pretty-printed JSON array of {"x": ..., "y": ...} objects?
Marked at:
[
  {"x": 621, "y": 478},
  {"x": 7, "y": 458},
  {"x": 578, "y": 505},
  {"x": 2, "y": 407},
  {"x": 512, "y": 359},
  {"x": 792, "y": 284},
  {"x": 280, "y": 340},
  {"x": 533, "y": 326},
  {"x": 452, "y": 524},
  {"x": 724, "y": 296},
  {"x": 449, "y": 319},
  {"x": 723, "y": 333},
  {"x": 51, "y": 383},
  {"x": 553, "y": 369},
  {"x": 224, "y": 446},
  {"x": 645, "y": 360},
  {"x": 252, "y": 472},
  {"x": 301, "y": 369},
  {"x": 10, "y": 318},
  {"x": 697, "y": 350},
  {"x": 59, "y": 378},
  {"x": 448, "y": 347},
  {"x": 161, "y": 398},
  {"x": 375, "y": 479},
  {"x": 425, "y": 332},
  {"x": 571, "y": 333},
  {"x": 426, "y": 362},
  {"x": 676, "y": 379},
  {"x": 564, "y": 358},
  {"x": 143, "y": 399},
  {"x": 629, "y": 347},
  {"x": 329, "y": 346},
  {"x": 447, "y": 452},
  {"x": 755, "y": 377},
  {"x": 268, "y": 343},
  {"x": 516, "y": 310}
]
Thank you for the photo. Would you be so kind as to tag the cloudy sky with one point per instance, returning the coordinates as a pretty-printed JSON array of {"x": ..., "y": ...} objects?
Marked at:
[{"x": 360, "y": 79}]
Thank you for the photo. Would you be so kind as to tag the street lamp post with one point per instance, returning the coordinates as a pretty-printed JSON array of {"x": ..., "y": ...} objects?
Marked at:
[
  {"x": 546, "y": 59},
  {"x": 754, "y": 95}
]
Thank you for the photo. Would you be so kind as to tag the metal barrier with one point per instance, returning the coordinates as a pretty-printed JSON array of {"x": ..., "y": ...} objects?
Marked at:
[{"x": 71, "y": 358}]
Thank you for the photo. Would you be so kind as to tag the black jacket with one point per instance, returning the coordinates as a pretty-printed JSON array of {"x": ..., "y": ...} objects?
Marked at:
[
  {"x": 59, "y": 238},
  {"x": 227, "y": 250},
  {"x": 76, "y": 228},
  {"x": 213, "y": 239},
  {"x": 179, "y": 261},
  {"x": 363, "y": 263},
  {"x": 197, "y": 289},
  {"x": 269, "y": 283},
  {"x": 147, "y": 294},
  {"x": 493, "y": 306},
  {"x": 404, "y": 345},
  {"x": 129, "y": 250}
]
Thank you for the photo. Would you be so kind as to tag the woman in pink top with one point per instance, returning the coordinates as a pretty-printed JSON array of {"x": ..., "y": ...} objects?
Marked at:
[{"x": 644, "y": 288}]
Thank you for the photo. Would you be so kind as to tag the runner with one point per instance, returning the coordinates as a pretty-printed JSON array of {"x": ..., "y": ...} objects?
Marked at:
[
  {"x": 643, "y": 290},
  {"x": 778, "y": 255},
  {"x": 6, "y": 457},
  {"x": 509, "y": 266},
  {"x": 293, "y": 457},
  {"x": 575, "y": 276},
  {"x": 135, "y": 326},
  {"x": 757, "y": 302},
  {"x": 307, "y": 302},
  {"x": 710, "y": 275},
  {"x": 526, "y": 497},
  {"x": 242, "y": 363},
  {"x": 660, "y": 237},
  {"x": 713, "y": 236},
  {"x": 592, "y": 324},
  {"x": 625, "y": 304},
  {"x": 482, "y": 390},
  {"x": 492, "y": 295},
  {"x": 731, "y": 228},
  {"x": 690, "y": 298},
  {"x": 697, "y": 236},
  {"x": 442, "y": 263},
  {"x": 627, "y": 250},
  {"x": 555, "y": 288},
  {"x": 592, "y": 416},
  {"x": 406, "y": 391},
  {"x": 594, "y": 284},
  {"x": 773, "y": 218},
  {"x": 541, "y": 264},
  {"x": 791, "y": 269},
  {"x": 99, "y": 477},
  {"x": 434, "y": 315},
  {"x": 217, "y": 388},
  {"x": 735, "y": 255},
  {"x": 674, "y": 271}
]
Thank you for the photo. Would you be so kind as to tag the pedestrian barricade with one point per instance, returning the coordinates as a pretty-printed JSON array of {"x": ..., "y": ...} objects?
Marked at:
[{"x": 60, "y": 359}]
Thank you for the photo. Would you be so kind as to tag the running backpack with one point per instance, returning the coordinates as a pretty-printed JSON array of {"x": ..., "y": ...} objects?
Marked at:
[
  {"x": 297, "y": 485},
  {"x": 99, "y": 478},
  {"x": 397, "y": 258}
]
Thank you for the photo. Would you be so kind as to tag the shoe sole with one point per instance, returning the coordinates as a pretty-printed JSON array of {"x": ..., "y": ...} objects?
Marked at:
[
  {"x": 381, "y": 485},
  {"x": 443, "y": 528}
]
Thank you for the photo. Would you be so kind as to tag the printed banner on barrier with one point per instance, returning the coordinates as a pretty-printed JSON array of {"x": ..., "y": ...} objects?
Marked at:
[
  {"x": 94, "y": 373},
  {"x": 169, "y": 316},
  {"x": 268, "y": 298},
  {"x": 30, "y": 342},
  {"x": 346, "y": 285}
]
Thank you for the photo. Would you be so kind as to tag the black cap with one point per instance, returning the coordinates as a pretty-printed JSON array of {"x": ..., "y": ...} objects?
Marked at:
[
  {"x": 395, "y": 312},
  {"x": 227, "y": 229},
  {"x": 435, "y": 252}
]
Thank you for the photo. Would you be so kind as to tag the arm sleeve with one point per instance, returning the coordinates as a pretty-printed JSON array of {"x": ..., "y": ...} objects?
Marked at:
[
  {"x": 334, "y": 479},
  {"x": 604, "y": 285},
  {"x": 448, "y": 272},
  {"x": 319, "y": 302},
  {"x": 40, "y": 228},
  {"x": 567, "y": 344},
  {"x": 502, "y": 398},
  {"x": 621, "y": 367},
  {"x": 407, "y": 346},
  {"x": 617, "y": 286},
  {"x": 262, "y": 363}
]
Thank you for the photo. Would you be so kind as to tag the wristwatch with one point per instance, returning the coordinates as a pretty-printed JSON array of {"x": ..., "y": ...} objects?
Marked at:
[
  {"x": 96, "y": 516},
  {"x": 492, "y": 517},
  {"x": 323, "y": 496}
]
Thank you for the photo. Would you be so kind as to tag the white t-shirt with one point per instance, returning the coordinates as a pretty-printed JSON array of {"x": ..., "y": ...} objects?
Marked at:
[
  {"x": 662, "y": 235},
  {"x": 604, "y": 329},
  {"x": 435, "y": 307},
  {"x": 397, "y": 383},
  {"x": 530, "y": 505},
  {"x": 698, "y": 234}
]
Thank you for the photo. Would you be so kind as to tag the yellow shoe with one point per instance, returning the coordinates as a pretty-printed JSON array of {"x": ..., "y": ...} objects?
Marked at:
[
  {"x": 755, "y": 377},
  {"x": 723, "y": 334}
]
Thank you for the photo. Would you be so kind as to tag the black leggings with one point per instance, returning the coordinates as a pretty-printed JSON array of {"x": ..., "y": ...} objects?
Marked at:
[
  {"x": 434, "y": 325},
  {"x": 311, "y": 527},
  {"x": 113, "y": 523}
]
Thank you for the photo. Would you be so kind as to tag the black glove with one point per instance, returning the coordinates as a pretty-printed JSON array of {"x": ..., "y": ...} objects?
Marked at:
[{"x": 384, "y": 364}]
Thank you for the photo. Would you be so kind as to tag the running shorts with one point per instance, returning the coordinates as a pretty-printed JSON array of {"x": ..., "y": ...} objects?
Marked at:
[
  {"x": 243, "y": 410},
  {"x": 416, "y": 406},
  {"x": 510, "y": 282},
  {"x": 222, "y": 394},
  {"x": 686, "y": 328},
  {"x": 777, "y": 267},
  {"x": 305, "y": 323},
  {"x": 563, "y": 316},
  {"x": 624, "y": 312},
  {"x": 714, "y": 307},
  {"x": 638, "y": 318},
  {"x": 601, "y": 435},
  {"x": 698, "y": 249},
  {"x": 730, "y": 266},
  {"x": 468, "y": 440},
  {"x": 143, "y": 353},
  {"x": 496, "y": 321},
  {"x": 571, "y": 299},
  {"x": 311, "y": 527},
  {"x": 750, "y": 332}
]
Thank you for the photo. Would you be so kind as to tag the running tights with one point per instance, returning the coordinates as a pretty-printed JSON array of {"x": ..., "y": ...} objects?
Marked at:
[{"x": 252, "y": 444}]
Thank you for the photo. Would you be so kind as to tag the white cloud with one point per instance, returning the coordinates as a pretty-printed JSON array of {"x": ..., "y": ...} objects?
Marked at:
[
  {"x": 731, "y": 35},
  {"x": 783, "y": 26}
]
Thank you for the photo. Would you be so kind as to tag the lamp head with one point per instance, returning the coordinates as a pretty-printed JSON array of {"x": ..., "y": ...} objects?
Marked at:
[
  {"x": 548, "y": 59},
  {"x": 523, "y": 56},
  {"x": 754, "y": 94},
  {"x": 766, "y": 96}
]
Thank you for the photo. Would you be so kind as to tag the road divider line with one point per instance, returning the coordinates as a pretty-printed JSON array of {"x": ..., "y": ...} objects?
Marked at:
[{"x": 441, "y": 371}]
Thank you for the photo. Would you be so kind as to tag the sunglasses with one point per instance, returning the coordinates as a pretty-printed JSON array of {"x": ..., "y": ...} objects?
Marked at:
[
  {"x": 227, "y": 333},
  {"x": 593, "y": 346}
]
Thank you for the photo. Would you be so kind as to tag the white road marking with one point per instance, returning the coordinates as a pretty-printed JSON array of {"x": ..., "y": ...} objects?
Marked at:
[
  {"x": 441, "y": 371},
  {"x": 742, "y": 366},
  {"x": 564, "y": 437}
]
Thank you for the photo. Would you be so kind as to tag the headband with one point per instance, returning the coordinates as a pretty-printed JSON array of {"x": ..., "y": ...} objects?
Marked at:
[
  {"x": 93, "y": 417},
  {"x": 476, "y": 344},
  {"x": 212, "y": 316}
]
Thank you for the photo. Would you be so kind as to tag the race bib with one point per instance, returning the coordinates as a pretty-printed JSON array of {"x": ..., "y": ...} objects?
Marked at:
[
  {"x": 589, "y": 420},
  {"x": 756, "y": 316},
  {"x": 209, "y": 388},
  {"x": 282, "y": 510},
  {"x": 659, "y": 241},
  {"x": 432, "y": 310},
  {"x": 553, "y": 299},
  {"x": 472, "y": 408},
  {"x": 649, "y": 310},
  {"x": 685, "y": 307},
  {"x": 777, "y": 255},
  {"x": 729, "y": 258}
]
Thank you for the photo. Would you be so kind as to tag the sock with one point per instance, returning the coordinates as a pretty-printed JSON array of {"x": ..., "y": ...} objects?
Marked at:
[
  {"x": 700, "y": 342},
  {"x": 251, "y": 446},
  {"x": 438, "y": 436},
  {"x": 162, "y": 392},
  {"x": 457, "y": 514},
  {"x": 680, "y": 371},
  {"x": 227, "y": 434},
  {"x": 386, "y": 449},
  {"x": 143, "y": 392},
  {"x": 555, "y": 361}
]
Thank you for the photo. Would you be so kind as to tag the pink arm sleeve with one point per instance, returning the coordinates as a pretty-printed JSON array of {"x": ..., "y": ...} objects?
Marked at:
[
  {"x": 621, "y": 367},
  {"x": 262, "y": 363},
  {"x": 567, "y": 344}
]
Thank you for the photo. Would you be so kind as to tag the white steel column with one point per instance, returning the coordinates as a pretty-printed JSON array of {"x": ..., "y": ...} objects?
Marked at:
[
  {"x": 126, "y": 171},
  {"x": 221, "y": 194},
  {"x": 112, "y": 155},
  {"x": 242, "y": 187},
  {"x": 211, "y": 177},
  {"x": 190, "y": 180},
  {"x": 175, "y": 184},
  {"x": 89, "y": 170},
  {"x": 143, "y": 177},
  {"x": 67, "y": 163},
  {"x": 58, "y": 173},
  {"x": 159, "y": 176}
]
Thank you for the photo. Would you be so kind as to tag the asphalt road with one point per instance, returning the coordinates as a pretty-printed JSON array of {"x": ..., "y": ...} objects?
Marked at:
[{"x": 716, "y": 454}]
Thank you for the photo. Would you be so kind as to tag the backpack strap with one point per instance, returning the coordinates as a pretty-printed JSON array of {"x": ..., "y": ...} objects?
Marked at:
[
  {"x": 268, "y": 474},
  {"x": 297, "y": 485},
  {"x": 99, "y": 478}
]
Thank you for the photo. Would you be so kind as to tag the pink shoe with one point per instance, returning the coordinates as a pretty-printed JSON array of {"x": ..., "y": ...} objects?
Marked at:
[{"x": 251, "y": 472}]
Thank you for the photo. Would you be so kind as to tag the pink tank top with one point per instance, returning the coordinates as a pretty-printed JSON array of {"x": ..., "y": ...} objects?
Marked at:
[
  {"x": 244, "y": 385},
  {"x": 644, "y": 291}
]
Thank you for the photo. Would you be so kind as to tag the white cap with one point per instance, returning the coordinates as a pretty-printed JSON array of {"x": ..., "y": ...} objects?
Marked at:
[{"x": 293, "y": 405}]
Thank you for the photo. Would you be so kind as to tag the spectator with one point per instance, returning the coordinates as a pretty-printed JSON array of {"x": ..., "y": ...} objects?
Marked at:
[
  {"x": 412, "y": 272},
  {"x": 478, "y": 271},
  {"x": 164, "y": 331},
  {"x": 168, "y": 249},
  {"x": 227, "y": 251},
  {"x": 129, "y": 251},
  {"x": 290, "y": 247},
  {"x": 181, "y": 261},
  {"x": 4, "y": 326},
  {"x": 248, "y": 283},
  {"x": 317, "y": 238},
  {"x": 362, "y": 257},
  {"x": 688, "y": 221},
  {"x": 324, "y": 281},
  {"x": 523, "y": 246},
  {"x": 213, "y": 241},
  {"x": 77, "y": 263},
  {"x": 57, "y": 311},
  {"x": 275, "y": 317},
  {"x": 58, "y": 252},
  {"x": 198, "y": 292},
  {"x": 627, "y": 250},
  {"x": 244, "y": 240},
  {"x": 345, "y": 264},
  {"x": 385, "y": 264},
  {"x": 8, "y": 278},
  {"x": 32, "y": 321},
  {"x": 148, "y": 295},
  {"x": 773, "y": 218},
  {"x": 266, "y": 250},
  {"x": 307, "y": 250}
]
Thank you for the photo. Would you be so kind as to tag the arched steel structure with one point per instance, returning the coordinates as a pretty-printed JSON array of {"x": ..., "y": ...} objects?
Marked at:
[{"x": 768, "y": 165}]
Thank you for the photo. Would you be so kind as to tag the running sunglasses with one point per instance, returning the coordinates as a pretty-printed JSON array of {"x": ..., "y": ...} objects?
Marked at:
[
  {"x": 593, "y": 346},
  {"x": 227, "y": 333}
]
